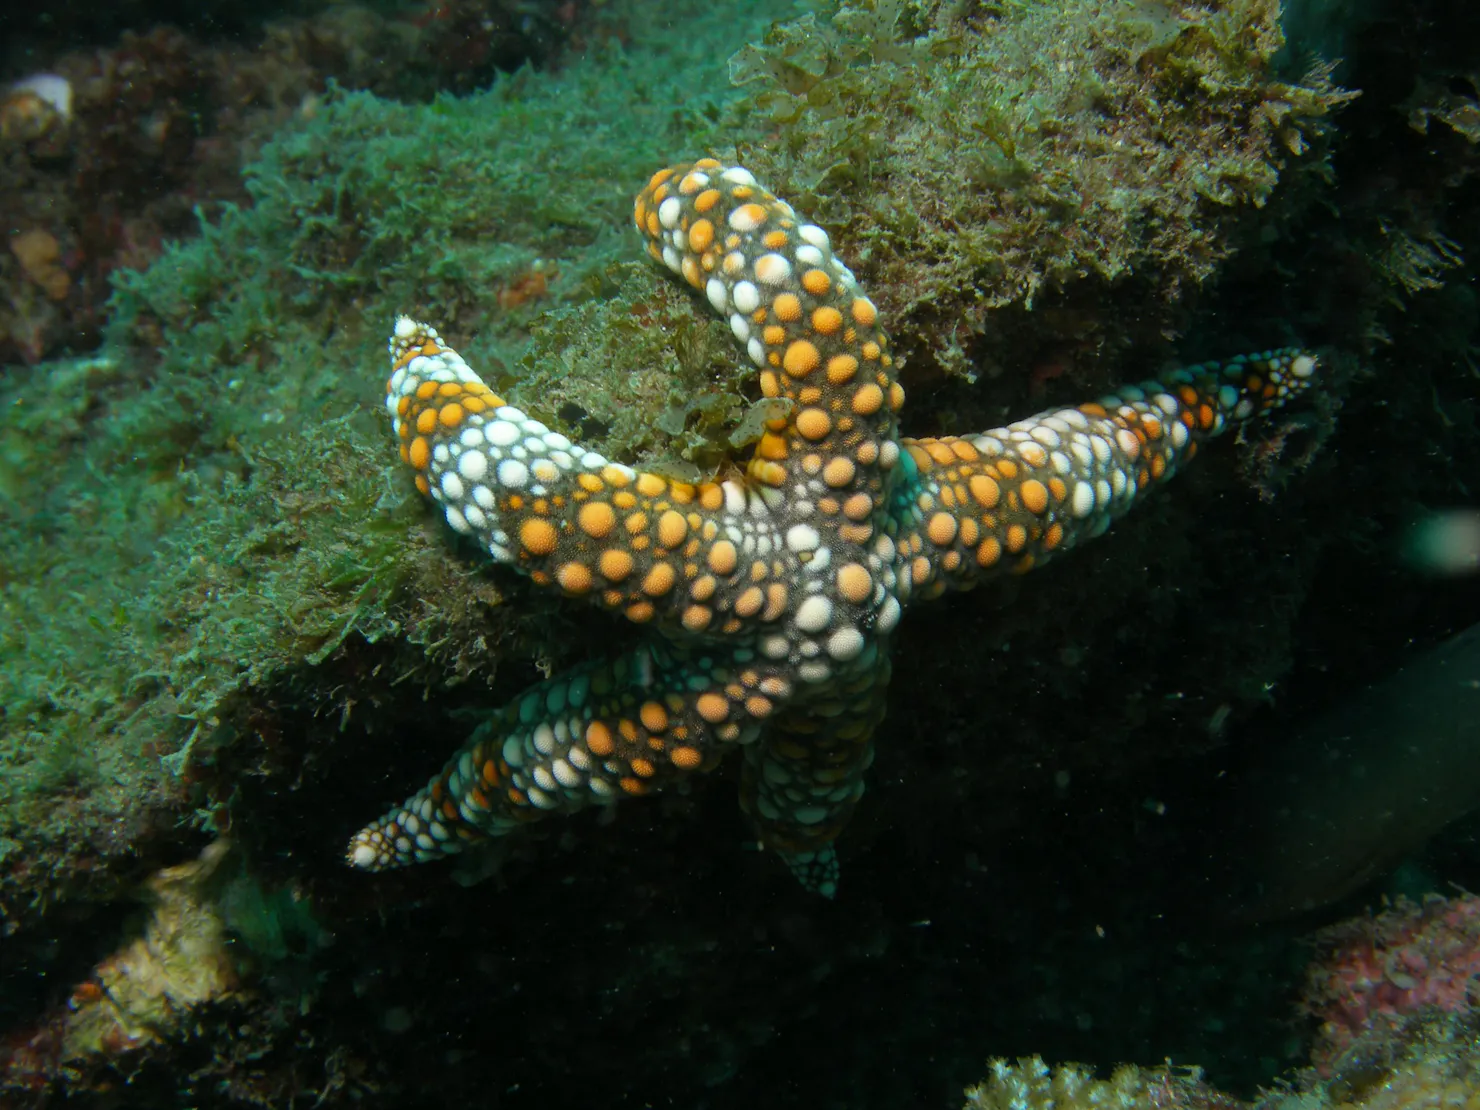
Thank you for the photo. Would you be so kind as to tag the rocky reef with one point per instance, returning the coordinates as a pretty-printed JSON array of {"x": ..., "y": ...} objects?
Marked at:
[{"x": 228, "y": 628}]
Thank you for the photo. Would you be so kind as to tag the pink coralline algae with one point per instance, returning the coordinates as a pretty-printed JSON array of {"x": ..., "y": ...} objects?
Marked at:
[{"x": 1375, "y": 973}]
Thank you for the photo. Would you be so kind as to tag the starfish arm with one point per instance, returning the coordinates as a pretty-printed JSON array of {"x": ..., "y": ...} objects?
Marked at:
[
  {"x": 803, "y": 778},
  {"x": 806, "y": 325},
  {"x": 1012, "y": 498},
  {"x": 603, "y": 731},
  {"x": 711, "y": 559}
]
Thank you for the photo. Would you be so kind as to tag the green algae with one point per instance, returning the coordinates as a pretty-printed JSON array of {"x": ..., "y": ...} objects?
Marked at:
[
  {"x": 210, "y": 512},
  {"x": 197, "y": 521},
  {"x": 638, "y": 368},
  {"x": 971, "y": 157}
]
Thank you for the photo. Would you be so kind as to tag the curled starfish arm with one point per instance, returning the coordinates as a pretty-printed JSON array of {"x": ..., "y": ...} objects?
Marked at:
[
  {"x": 601, "y": 732},
  {"x": 805, "y": 324},
  {"x": 1012, "y": 498},
  {"x": 707, "y": 559},
  {"x": 803, "y": 777}
]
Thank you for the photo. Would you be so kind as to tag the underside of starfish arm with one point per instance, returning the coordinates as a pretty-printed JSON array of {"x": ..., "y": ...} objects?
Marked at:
[
  {"x": 600, "y": 732},
  {"x": 1012, "y": 498}
]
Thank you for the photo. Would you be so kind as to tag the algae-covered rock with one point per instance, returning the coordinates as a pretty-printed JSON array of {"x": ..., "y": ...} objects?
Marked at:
[
  {"x": 1031, "y": 1084},
  {"x": 200, "y": 518},
  {"x": 224, "y": 603},
  {"x": 972, "y": 157},
  {"x": 640, "y": 371}
]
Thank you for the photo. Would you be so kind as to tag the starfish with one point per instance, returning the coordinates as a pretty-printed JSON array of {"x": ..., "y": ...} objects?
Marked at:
[{"x": 774, "y": 594}]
